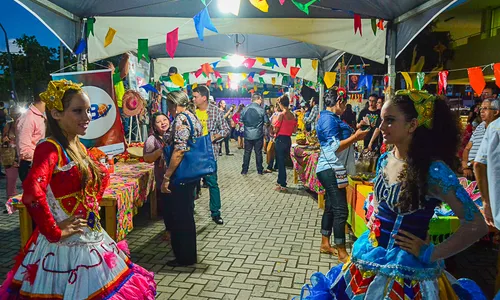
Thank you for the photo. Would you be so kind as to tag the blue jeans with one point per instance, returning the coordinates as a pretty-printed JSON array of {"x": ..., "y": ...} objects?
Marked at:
[
  {"x": 213, "y": 189},
  {"x": 335, "y": 214},
  {"x": 282, "y": 148}
]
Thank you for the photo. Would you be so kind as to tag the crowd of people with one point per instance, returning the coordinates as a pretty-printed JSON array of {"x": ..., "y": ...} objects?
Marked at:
[{"x": 63, "y": 184}]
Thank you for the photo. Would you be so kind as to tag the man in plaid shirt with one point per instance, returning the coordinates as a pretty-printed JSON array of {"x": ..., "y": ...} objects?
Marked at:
[{"x": 212, "y": 119}]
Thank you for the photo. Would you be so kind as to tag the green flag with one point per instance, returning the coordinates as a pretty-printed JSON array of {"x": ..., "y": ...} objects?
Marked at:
[
  {"x": 419, "y": 82},
  {"x": 298, "y": 62},
  {"x": 261, "y": 80},
  {"x": 186, "y": 78},
  {"x": 142, "y": 49},
  {"x": 374, "y": 26},
  {"x": 304, "y": 7},
  {"x": 90, "y": 26}
]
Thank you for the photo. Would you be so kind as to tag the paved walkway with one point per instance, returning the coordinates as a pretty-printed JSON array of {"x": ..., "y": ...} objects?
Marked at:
[{"x": 267, "y": 248}]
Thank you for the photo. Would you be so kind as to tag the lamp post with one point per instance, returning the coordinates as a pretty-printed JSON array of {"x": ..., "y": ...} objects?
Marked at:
[{"x": 11, "y": 68}]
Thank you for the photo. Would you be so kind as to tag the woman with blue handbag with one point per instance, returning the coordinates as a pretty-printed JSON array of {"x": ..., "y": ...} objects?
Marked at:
[
  {"x": 336, "y": 139},
  {"x": 185, "y": 129}
]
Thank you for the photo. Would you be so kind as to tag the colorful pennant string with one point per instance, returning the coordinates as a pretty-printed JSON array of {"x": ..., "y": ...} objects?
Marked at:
[
  {"x": 201, "y": 21},
  {"x": 172, "y": 42},
  {"x": 476, "y": 79}
]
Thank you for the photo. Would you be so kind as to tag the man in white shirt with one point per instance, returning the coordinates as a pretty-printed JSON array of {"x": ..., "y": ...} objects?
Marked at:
[{"x": 487, "y": 168}]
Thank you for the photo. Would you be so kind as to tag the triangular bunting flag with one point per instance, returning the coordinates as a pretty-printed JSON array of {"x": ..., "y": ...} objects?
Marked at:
[
  {"x": 209, "y": 82},
  {"x": 185, "y": 76},
  {"x": 90, "y": 26},
  {"x": 315, "y": 64},
  {"x": 149, "y": 88},
  {"x": 198, "y": 73},
  {"x": 282, "y": 2},
  {"x": 304, "y": 7},
  {"x": 330, "y": 78},
  {"x": 357, "y": 24},
  {"x": 81, "y": 46},
  {"x": 250, "y": 79},
  {"x": 284, "y": 62},
  {"x": 269, "y": 65},
  {"x": 109, "y": 37},
  {"x": 380, "y": 24},
  {"x": 143, "y": 49},
  {"x": 262, "y": 72},
  {"x": 298, "y": 62},
  {"x": 374, "y": 26},
  {"x": 249, "y": 62},
  {"x": 207, "y": 69},
  {"x": 419, "y": 81},
  {"x": 261, "y": 80},
  {"x": 265, "y": 93},
  {"x": 496, "y": 72},
  {"x": 195, "y": 85},
  {"x": 476, "y": 79},
  {"x": 261, "y": 60},
  {"x": 273, "y": 80},
  {"x": 217, "y": 74},
  {"x": 172, "y": 42},
  {"x": 219, "y": 81},
  {"x": 201, "y": 21},
  {"x": 214, "y": 64},
  {"x": 294, "y": 71},
  {"x": 261, "y": 5},
  {"x": 177, "y": 79},
  {"x": 273, "y": 61},
  {"x": 443, "y": 82}
]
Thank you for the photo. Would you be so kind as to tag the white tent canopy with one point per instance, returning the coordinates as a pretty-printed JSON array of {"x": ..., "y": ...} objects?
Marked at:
[{"x": 328, "y": 25}]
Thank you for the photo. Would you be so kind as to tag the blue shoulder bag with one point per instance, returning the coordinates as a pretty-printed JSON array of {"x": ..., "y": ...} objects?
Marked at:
[{"x": 198, "y": 160}]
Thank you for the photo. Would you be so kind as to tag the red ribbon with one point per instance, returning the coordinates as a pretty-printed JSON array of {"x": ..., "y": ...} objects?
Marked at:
[{"x": 442, "y": 82}]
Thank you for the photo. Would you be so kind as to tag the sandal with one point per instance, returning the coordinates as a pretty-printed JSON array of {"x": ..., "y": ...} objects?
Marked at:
[
  {"x": 280, "y": 189},
  {"x": 331, "y": 251}
]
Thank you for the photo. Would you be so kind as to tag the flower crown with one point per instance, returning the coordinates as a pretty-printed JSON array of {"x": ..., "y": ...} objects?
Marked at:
[
  {"x": 55, "y": 92},
  {"x": 424, "y": 105}
]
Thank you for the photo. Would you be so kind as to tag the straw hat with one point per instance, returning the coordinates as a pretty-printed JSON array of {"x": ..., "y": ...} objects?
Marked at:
[
  {"x": 136, "y": 151},
  {"x": 133, "y": 103}
]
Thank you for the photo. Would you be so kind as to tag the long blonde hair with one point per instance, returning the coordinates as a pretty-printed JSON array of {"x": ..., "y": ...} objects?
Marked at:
[{"x": 90, "y": 171}]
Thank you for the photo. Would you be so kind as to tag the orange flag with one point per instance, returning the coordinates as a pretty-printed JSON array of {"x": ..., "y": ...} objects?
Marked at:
[
  {"x": 476, "y": 79},
  {"x": 496, "y": 70}
]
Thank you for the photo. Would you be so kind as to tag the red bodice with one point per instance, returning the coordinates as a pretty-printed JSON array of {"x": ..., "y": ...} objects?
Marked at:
[{"x": 51, "y": 166}]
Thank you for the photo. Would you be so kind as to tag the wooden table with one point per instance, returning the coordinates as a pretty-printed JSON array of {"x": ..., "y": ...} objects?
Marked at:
[{"x": 129, "y": 182}]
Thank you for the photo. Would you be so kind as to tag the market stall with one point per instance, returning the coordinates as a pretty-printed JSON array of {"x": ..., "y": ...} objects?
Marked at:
[{"x": 130, "y": 186}]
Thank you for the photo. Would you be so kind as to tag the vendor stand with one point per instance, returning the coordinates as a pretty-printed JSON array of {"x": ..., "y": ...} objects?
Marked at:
[{"x": 129, "y": 188}]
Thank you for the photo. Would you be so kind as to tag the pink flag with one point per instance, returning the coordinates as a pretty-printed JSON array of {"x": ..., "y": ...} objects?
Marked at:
[
  {"x": 249, "y": 62},
  {"x": 217, "y": 74},
  {"x": 282, "y": 2},
  {"x": 172, "y": 42},
  {"x": 198, "y": 73},
  {"x": 284, "y": 61},
  {"x": 442, "y": 81},
  {"x": 262, "y": 72}
]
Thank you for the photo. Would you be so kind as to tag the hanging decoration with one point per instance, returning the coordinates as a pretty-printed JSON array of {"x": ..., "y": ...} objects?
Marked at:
[
  {"x": 217, "y": 74},
  {"x": 273, "y": 80},
  {"x": 198, "y": 73},
  {"x": 261, "y": 5},
  {"x": 261, "y": 73},
  {"x": 81, "y": 46},
  {"x": 282, "y": 2},
  {"x": 219, "y": 81},
  {"x": 149, "y": 88},
  {"x": 207, "y": 69},
  {"x": 274, "y": 62},
  {"x": 265, "y": 93},
  {"x": 374, "y": 26},
  {"x": 185, "y": 76},
  {"x": 214, "y": 64},
  {"x": 195, "y": 85},
  {"x": 298, "y": 62},
  {"x": 366, "y": 81},
  {"x": 419, "y": 81},
  {"x": 357, "y": 24},
  {"x": 90, "y": 26},
  {"x": 109, "y": 37},
  {"x": 177, "y": 79},
  {"x": 261, "y": 80},
  {"x": 442, "y": 81},
  {"x": 250, "y": 79},
  {"x": 409, "y": 82},
  {"x": 294, "y": 71},
  {"x": 261, "y": 60},
  {"x": 142, "y": 49},
  {"x": 476, "y": 79},
  {"x": 249, "y": 62},
  {"x": 304, "y": 6},
  {"x": 330, "y": 78},
  {"x": 172, "y": 42},
  {"x": 314, "y": 63},
  {"x": 201, "y": 21},
  {"x": 284, "y": 62},
  {"x": 380, "y": 24},
  {"x": 496, "y": 72},
  {"x": 209, "y": 82}
]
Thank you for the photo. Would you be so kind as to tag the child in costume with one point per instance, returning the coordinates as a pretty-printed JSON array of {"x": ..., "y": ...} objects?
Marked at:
[
  {"x": 394, "y": 258},
  {"x": 69, "y": 255}
]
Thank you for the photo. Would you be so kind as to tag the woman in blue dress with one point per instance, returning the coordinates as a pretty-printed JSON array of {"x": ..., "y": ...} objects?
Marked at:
[{"x": 394, "y": 259}]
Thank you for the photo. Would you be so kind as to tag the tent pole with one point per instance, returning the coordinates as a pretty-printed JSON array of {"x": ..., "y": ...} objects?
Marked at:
[
  {"x": 321, "y": 73},
  {"x": 391, "y": 64}
]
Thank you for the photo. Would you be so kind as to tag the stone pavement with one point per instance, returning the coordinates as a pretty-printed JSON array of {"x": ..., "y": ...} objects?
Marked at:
[{"x": 267, "y": 248}]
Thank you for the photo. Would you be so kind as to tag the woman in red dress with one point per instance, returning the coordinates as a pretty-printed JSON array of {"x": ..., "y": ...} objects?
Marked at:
[{"x": 69, "y": 255}]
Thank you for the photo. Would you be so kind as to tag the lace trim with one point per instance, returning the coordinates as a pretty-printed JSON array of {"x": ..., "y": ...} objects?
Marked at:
[
  {"x": 393, "y": 270},
  {"x": 441, "y": 175}
]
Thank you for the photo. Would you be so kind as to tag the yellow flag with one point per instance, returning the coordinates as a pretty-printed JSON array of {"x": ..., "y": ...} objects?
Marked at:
[
  {"x": 261, "y": 60},
  {"x": 220, "y": 87},
  {"x": 109, "y": 37},
  {"x": 177, "y": 79},
  {"x": 230, "y": 75},
  {"x": 195, "y": 85},
  {"x": 273, "y": 80},
  {"x": 315, "y": 64},
  {"x": 243, "y": 76},
  {"x": 409, "y": 83},
  {"x": 265, "y": 93},
  {"x": 330, "y": 78},
  {"x": 260, "y": 4},
  {"x": 255, "y": 88}
]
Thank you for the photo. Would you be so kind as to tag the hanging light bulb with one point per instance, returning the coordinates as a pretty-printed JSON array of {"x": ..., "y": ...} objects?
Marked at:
[
  {"x": 229, "y": 6},
  {"x": 236, "y": 60}
]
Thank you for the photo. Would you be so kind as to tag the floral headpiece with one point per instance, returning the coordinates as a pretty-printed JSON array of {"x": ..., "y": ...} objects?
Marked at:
[
  {"x": 424, "y": 105},
  {"x": 55, "y": 92}
]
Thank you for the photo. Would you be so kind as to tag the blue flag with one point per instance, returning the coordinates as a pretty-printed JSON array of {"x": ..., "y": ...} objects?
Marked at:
[{"x": 201, "y": 21}]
